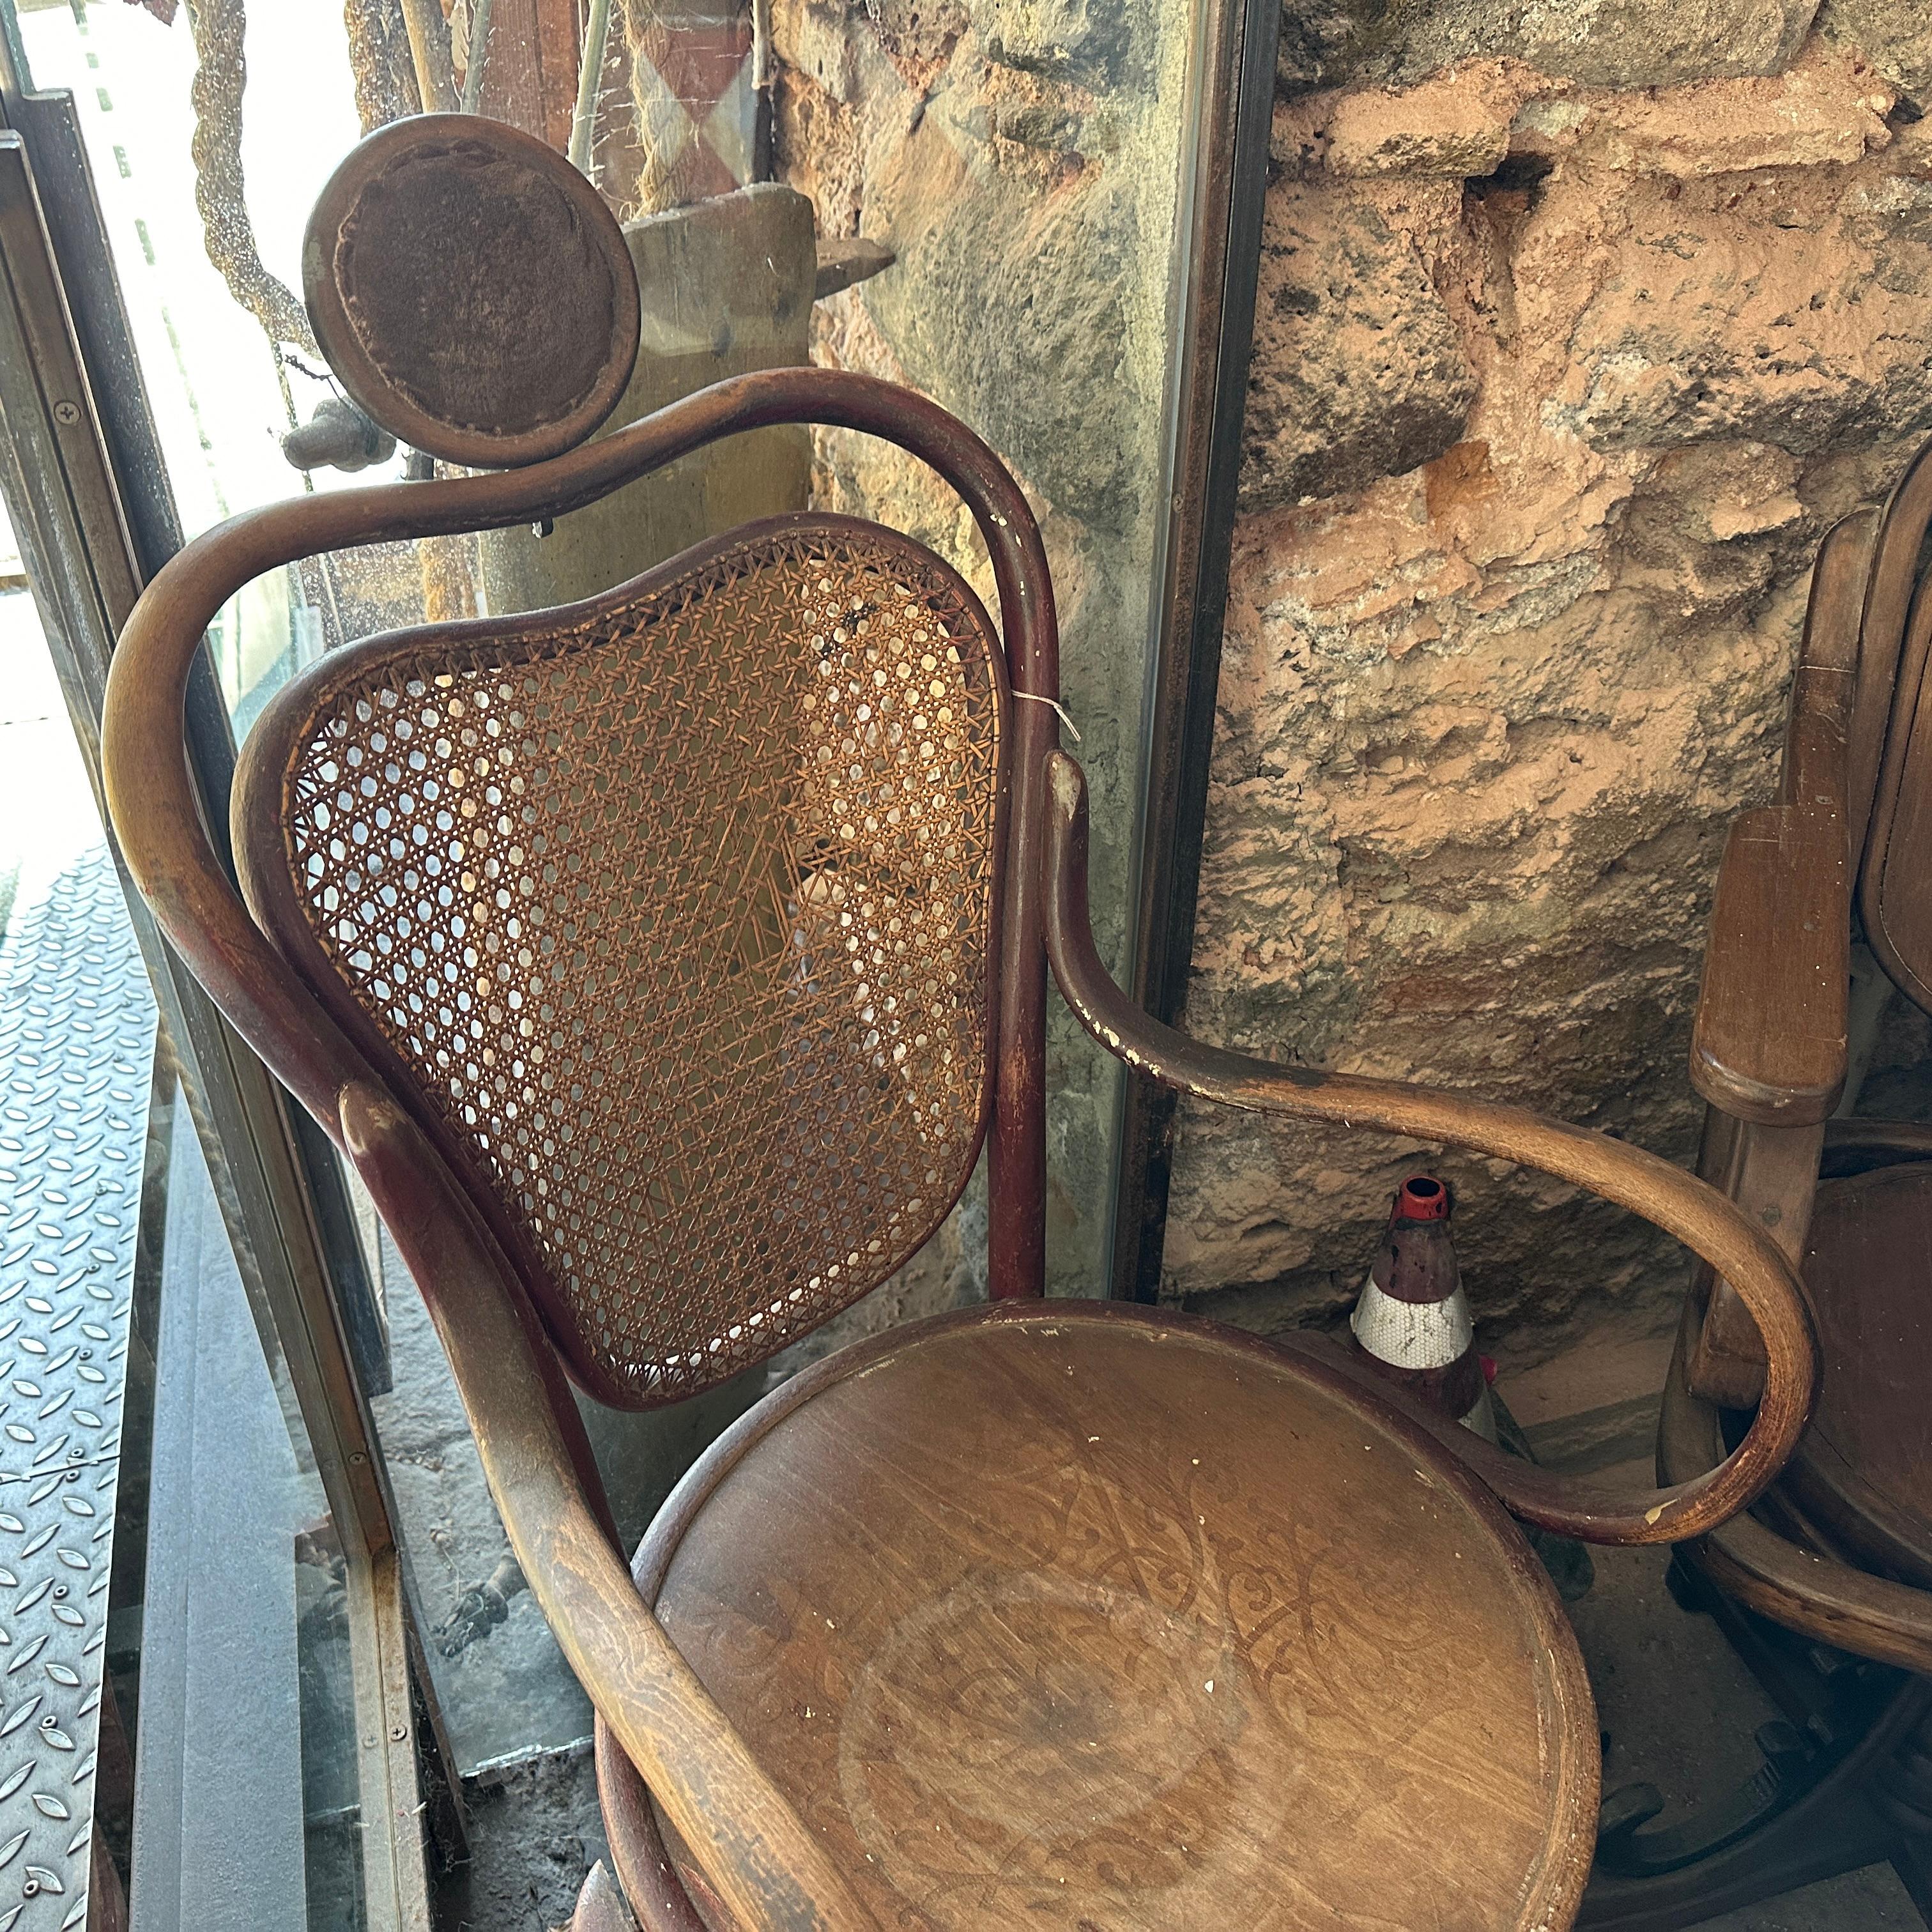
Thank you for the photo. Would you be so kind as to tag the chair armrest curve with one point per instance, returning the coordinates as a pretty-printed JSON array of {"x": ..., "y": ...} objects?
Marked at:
[
  {"x": 1769, "y": 1045},
  {"x": 1817, "y": 1596},
  {"x": 1677, "y": 1202},
  {"x": 759, "y": 1857}
]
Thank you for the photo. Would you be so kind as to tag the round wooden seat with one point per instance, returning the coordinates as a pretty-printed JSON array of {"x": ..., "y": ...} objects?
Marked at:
[
  {"x": 1078, "y": 1615},
  {"x": 1863, "y": 1473}
]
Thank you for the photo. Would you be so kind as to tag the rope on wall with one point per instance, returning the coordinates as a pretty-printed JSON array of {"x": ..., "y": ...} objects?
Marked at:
[{"x": 220, "y": 76}]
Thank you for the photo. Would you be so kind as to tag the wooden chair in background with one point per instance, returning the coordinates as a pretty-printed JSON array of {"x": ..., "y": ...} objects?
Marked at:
[{"x": 1826, "y": 1588}]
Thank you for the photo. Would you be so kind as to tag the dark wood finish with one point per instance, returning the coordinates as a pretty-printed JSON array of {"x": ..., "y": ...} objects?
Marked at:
[
  {"x": 759, "y": 1859},
  {"x": 1060, "y": 1655},
  {"x": 1768, "y": 1043},
  {"x": 1675, "y": 1201},
  {"x": 760, "y": 792},
  {"x": 471, "y": 290},
  {"x": 1864, "y": 1468},
  {"x": 767, "y": 1867},
  {"x": 1838, "y": 1550},
  {"x": 1807, "y": 1589},
  {"x": 1854, "y": 1493},
  {"x": 1905, "y": 1140},
  {"x": 1889, "y": 590},
  {"x": 600, "y": 1905},
  {"x": 1898, "y": 908},
  {"x": 166, "y": 843},
  {"x": 887, "y": 1479},
  {"x": 1770, "y": 1173}
]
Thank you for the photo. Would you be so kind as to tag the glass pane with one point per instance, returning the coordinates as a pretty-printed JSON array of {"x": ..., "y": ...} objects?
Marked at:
[
  {"x": 223, "y": 389},
  {"x": 1024, "y": 162},
  {"x": 1028, "y": 190},
  {"x": 189, "y": 1551}
]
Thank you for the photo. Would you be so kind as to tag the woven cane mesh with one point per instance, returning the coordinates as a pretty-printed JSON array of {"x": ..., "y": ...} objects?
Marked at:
[{"x": 678, "y": 909}]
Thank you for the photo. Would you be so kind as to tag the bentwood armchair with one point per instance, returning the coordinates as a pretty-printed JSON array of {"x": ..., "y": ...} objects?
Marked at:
[
  {"x": 1839, "y": 1552},
  {"x": 662, "y": 963}
]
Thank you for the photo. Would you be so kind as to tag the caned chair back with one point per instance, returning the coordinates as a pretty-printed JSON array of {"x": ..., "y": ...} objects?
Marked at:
[{"x": 674, "y": 915}]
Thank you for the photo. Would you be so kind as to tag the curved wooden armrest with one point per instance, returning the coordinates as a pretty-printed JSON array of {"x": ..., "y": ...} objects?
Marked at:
[
  {"x": 1817, "y": 1596},
  {"x": 762, "y": 1860},
  {"x": 1910, "y": 1140},
  {"x": 744, "y": 1834},
  {"x": 1676, "y": 1201},
  {"x": 152, "y": 797},
  {"x": 1769, "y": 1041},
  {"x": 759, "y": 1857}
]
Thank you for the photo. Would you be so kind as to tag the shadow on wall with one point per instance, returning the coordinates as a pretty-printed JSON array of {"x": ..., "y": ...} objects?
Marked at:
[{"x": 1577, "y": 329}]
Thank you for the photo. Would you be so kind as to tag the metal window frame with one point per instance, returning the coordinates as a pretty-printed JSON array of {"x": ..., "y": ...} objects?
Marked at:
[
  {"x": 1218, "y": 263},
  {"x": 65, "y": 417}
]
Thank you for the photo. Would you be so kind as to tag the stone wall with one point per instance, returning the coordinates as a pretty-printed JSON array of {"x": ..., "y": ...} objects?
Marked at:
[{"x": 1580, "y": 322}]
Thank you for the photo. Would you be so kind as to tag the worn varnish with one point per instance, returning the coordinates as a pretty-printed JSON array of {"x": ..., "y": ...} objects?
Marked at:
[
  {"x": 471, "y": 290},
  {"x": 1158, "y": 1629},
  {"x": 1865, "y": 1464},
  {"x": 1044, "y": 1614},
  {"x": 722, "y": 899}
]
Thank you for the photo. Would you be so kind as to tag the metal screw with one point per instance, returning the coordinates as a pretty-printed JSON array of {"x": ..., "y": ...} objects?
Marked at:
[
  {"x": 356, "y": 1456},
  {"x": 67, "y": 414},
  {"x": 398, "y": 1732}
]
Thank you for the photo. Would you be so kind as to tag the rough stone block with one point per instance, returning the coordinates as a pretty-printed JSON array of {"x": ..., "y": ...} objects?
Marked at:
[
  {"x": 1482, "y": 724},
  {"x": 1357, "y": 370},
  {"x": 986, "y": 261},
  {"x": 1090, "y": 39},
  {"x": 1829, "y": 107},
  {"x": 1779, "y": 309},
  {"x": 1894, "y": 35},
  {"x": 1623, "y": 44}
]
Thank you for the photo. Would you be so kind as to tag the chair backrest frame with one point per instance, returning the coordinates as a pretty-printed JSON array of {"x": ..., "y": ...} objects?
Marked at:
[
  {"x": 1891, "y": 739},
  {"x": 167, "y": 847},
  {"x": 676, "y": 913}
]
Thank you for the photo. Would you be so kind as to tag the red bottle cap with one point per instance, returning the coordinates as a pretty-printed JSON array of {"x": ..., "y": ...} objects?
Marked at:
[{"x": 1421, "y": 1198}]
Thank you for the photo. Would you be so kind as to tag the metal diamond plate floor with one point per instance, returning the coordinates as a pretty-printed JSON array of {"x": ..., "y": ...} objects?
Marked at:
[{"x": 76, "y": 1043}]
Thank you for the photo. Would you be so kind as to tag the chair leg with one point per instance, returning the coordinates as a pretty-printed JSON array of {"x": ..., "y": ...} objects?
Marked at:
[
  {"x": 1829, "y": 1830},
  {"x": 1853, "y": 1788},
  {"x": 600, "y": 1905}
]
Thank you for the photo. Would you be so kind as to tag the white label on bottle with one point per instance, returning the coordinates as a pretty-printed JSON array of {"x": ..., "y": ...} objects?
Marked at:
[{"x": 1412, "y": 1334}]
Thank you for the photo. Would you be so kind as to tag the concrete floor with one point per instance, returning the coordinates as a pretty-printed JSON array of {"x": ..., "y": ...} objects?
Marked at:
[{"x": 535, "y": 1833}]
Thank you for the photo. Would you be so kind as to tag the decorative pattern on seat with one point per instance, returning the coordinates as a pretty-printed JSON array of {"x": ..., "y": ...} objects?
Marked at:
[{"x": 676, "y": 908}]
